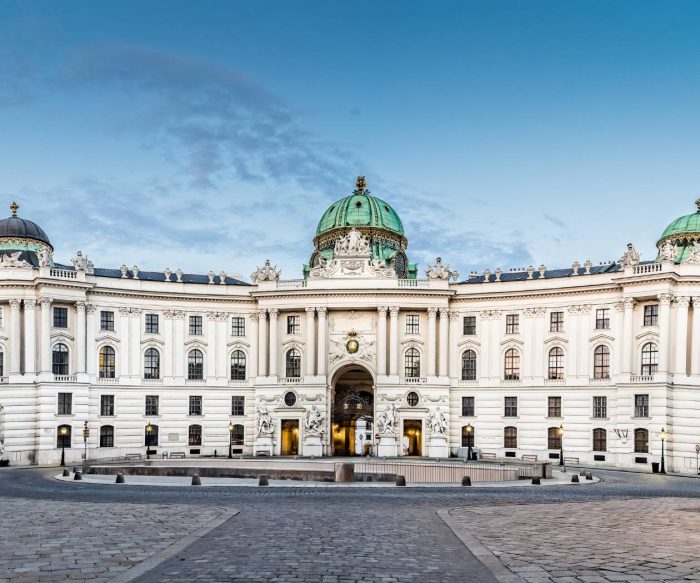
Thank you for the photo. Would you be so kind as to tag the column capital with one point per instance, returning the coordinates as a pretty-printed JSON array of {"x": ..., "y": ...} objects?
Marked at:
[
  {"x": 253, "y": 316},
  {"x": 211, "y": 315},
  {"x": 179, "y": 315},
  {"x": 45, "y": 301},
  {"x": 29, "y": 304},
  {"x": 454, "y": 315},
  {"x": 432, "y": 312},
  {"x": 619, "y": 306},
  {"x": 584, "y": 309},
  {"x": 221, "y": 317},
  {"x": 262, "y": 313},
  {"x": 665, "y": 299},
  {"x": 310, "y": 312},
  {"x": 629, "y": 303},
  {"x": 79, "y": 305},
  {"x": 682, "y": 301},
  {"x": 444, "y": 312},
  {"x": 91, "y": 308},
  {"x": 322, "y": 311},
  {"x": 273, "y": 312},
  {"x": 696, "y": 301},
  {"x": 382, "y": 310},
  {"x": 124, "y": 311},
  {"x": 14, "y": 304},
  {"x": 394, "y": 311}
]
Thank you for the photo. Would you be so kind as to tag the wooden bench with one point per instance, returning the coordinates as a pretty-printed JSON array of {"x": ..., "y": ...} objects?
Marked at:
[
  {"x": 179, "y": 455},
  {"x": 570, "y": 460},
  {"x": 487, "y": 455},
  {"x": 529, "y": 458},
  {"x": 133, "y": 456}
]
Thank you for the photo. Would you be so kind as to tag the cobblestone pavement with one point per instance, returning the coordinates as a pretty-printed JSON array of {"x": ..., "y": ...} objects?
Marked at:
[{"x": 309, "y": 534}]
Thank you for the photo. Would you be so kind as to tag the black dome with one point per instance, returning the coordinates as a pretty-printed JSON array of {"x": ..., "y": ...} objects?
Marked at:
[{"x": 15, "y": 226}]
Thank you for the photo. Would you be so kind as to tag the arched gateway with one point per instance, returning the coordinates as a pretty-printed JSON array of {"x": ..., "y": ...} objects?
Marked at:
[{"x": 352, "y": 411}]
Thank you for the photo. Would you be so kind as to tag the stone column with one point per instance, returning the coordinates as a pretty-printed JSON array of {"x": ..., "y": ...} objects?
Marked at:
[
  {"x": 125, "y": 345},
  {"x": 169, "y": 350},
  {"x": 381, "y": 340},
  {"x": 695, "y": 338},
  {"x": 430, "y": 352},
  {"x": 444, "y": 343},
  {"x": 29, "y": 337},
  {"x": 619, "y": 324},
  {"x": 310, "y": 342},
  {"x": 664, "y": 331},
  {"x": 80, "y": 337},
  {"x": 682, "y": 304},
  {"x": 529, "y": 347},
  {"x": 572, "y": 349},
  {"x": 627, "y": 339},
  {"x": 179, "y": 343},
  {"x": 584, "y": 330},
  {"x": 45, "y": 346},
  {"x": 394, "y": 339},
  {"x": 454, "y": 360},
  {"x": 135, "y": 343},
  {"x": 91, "y": 335},
  {"x": 252, "y": 363},
  {"x": 498, "y": 325},
  {"x": 262, "y": 343},
  {"x": 321, "y": 342},
  {"x": 484, "y": 359},
  {"x": 223, "y": 323},
  {"x": 211, "y": 345},
  {"x": 273, "y": 341},
  {"x": 538, "y": 324},
  {"x": 15, "y": 340}
]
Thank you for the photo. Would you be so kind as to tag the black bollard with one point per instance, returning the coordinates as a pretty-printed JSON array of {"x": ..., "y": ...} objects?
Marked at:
[
  {"x": 466, "y": 481},
  {"x": 120, "y": 478},
  {"x": 66, "y": 472},
  {"x": 535, "y": 481},
  {"x": 78, "y": 476},
  {"x": 589, "y": 476},
  {"x": 574, "y": 479},
  {"x": 263, "y": 481},
  {"x": 400, "y": 480},
  {"x": 582, "y": 473},
  {"x": 196, "y": 481}
]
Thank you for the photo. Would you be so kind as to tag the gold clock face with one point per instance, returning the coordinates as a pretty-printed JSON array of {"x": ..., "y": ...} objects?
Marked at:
[{"x": 352, "y": 346}]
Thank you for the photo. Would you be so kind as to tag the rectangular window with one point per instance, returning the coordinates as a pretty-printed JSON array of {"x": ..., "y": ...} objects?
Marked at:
[
  {"x": 600, "y": 407},
  {"x": 195, "y": 325},
  {"x": 107, "y": 321},
  {"x": 106, "y": 436},
  {"x": 151, "y": 323},
  {"x": 293, "y": 324},
  {"x": 641, "y": 405},
  {"x": 554, "y": 407},
  {"x": 651, "y": 315},
  {"x": 467, "y": 406},
  {"x": 511, "y": 407},
  {"x": 556, "y": 322},
  {"x": 65, "y": 403},
  {"x": 60, "y": 317},
  {"x": 510, "y": 437},
  {"x": 238, "y": 326},
  {"x": 602, "y": 319},
  {"x": 237, "y": 405},
  {"x": 412, "y": 324},
  {"x": 195, "y": 405},
  {"x": 151, "y": 405},
  {"x": 512, "y": 324},
  {"x": 107, "y": 405},
  {"x": 469, "y": 324}
]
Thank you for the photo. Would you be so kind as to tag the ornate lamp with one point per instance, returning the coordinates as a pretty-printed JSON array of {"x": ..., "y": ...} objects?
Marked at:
[
  {"x": 663, "y": 435},
  {"x": 230, "y": 440},
  {"x": 560, "y": 433},
  {"x": 149, "y": 431}
]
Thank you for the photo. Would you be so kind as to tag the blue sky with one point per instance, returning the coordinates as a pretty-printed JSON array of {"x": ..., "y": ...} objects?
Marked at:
[{"x": 212, "y": 135}]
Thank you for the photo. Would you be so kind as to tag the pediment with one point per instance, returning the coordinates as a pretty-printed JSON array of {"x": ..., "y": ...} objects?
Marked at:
[
  {"x": 62, "y": 336},
  {"x": 557, "y": 340},
  {"x": 196, "y": 343},
  {"x": 469, "y": 342},
  {"x": 602, "y": 338},
  {"x": 237, "y": 344},
  {"x": 157, "y": 341},
  {"x": 107, "y": 338},
  {"x": 648, "y": 335},
  {"x": 412, "y": 341},
  {"x": 292, "y": 342},
  {"x": 512, "y": 341}
]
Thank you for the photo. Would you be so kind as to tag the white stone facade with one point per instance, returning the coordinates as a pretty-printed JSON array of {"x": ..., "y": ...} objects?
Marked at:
[{"x": 353, "y": 314}]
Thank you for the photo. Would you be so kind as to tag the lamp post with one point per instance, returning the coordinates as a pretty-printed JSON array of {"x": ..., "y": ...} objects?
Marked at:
[
  {"x": 697, "y": 457},
  {"x": 230, "y": 440},
  {"x": 63, "y": 432},
  {"x": 149, "y": 430},
  {"x": 560, "y": 431},
  {"x": 86, "y": 434},
  {"x": 470, "y": 432},
  {"x": 663, "y": 435}
]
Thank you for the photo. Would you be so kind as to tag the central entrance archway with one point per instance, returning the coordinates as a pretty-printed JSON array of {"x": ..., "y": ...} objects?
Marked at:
[{"x": 353, "y": 412}]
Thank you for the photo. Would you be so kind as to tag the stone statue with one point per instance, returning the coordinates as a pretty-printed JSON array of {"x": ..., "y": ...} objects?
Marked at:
[
  {"x": 266, "y": 273},
  {"x": 353, "y": 243},
  {"x": 44, "y": 256},
  {"x": 265, "y": 426},
  {"x": 667, "y": 251},
  {"x": 13, "y": 260},
  {"x": 693, "y": 254},
  {"x": 79, "y": 262},
  {"x": 386, "y": 422},
  {"x": 440, "y": 271},
  {"x": 437, "y": 422},
  {"x": 313, "y": 423},
  {"x": 630, "y": 257}
]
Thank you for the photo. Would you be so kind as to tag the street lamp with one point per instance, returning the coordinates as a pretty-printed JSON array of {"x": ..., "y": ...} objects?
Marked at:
[
  {"x": 560, "y": 432},
  {"x": 63, "y": 432},
  {"x": 697, "y": 457},
  {"x": 149, "y": 430},
  {"x": 663, "y": 435},
  {"x": 230, "y": 440},
  {"x": 86, "y": 434},
  {"x": 470, "y": 432}
]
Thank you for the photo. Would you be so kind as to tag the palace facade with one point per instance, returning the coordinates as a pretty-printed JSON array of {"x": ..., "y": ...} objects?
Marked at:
[{"x": 363, "y": 354}]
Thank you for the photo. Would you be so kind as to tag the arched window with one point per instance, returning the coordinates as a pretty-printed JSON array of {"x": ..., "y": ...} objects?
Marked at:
[
  {"x": 63, "y": 436},
  {"x": 107, "y": 436},
  {"x": 151, "y": 364},
  {"x": 412, "y": 362},
  {"x": 650, "y": 359},
  {"x": 556, "y": 363},
  {"x": 238, "y": 365},
  {"x": 151, "y": 438},
  {"x": 601, "y": 362},
  {"x": 237, "y": 435},
  {"x": 510, "y": 437},
  {"x": 469, "y": 365},
  {"x": 512, "y": 365},
  {"x": 194, "y": 435},
  {"x": 467, "y": 436},
  {"x": 553, "y": 438},
  {"x": 107, "y": 363},
  {"x": 600, "y": 439},
  {"x": 60, "y": 359},
  {"x": 641, "y": 441},
  {"x": 195, "y": 365},
  {"x": 293, "y": 362}
]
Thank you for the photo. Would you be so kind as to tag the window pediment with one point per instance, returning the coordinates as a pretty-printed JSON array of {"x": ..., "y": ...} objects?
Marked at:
[
  {"x": 469, "y": 343},
  {"x": 107, "y": 338},
  {"x": 195, "y": 343},
  {"x": 556, "y": 340},
  {"x": 62, "y": 336},
  {"x": 511, "y": 342},
  {"x": 602, "y": 338},
  {"x": 153, "y": 342},
  {"x": 237, "y": 344}
]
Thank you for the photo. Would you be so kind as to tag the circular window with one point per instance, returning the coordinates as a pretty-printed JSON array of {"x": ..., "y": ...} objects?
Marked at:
[
  {"x": 412, "y": 398},
  {"x": 290, "y": 399},
  {"x": 358, "y": 204}
]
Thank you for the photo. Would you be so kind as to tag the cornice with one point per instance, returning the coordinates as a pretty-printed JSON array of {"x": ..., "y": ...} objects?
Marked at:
[{"x": 176, "y": 298}]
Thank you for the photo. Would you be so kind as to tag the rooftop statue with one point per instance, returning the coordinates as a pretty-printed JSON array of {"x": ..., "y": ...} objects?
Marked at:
[
  {"x": 630, "y": 257},
  {"x": 266, "y": 273},
  {"x": 440, "y": 271},
  {"x": 13, "y": 260}
]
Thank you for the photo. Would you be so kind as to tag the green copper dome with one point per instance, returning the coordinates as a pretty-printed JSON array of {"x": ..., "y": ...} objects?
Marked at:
[
  {"x": 688, "y": 225},
  {"x": 360, "y": 209}
]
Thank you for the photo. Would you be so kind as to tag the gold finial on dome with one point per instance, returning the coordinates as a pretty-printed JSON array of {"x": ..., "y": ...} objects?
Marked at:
[
  {"x": 360, "y": 185},
  {"x": 13, "y": 207}
]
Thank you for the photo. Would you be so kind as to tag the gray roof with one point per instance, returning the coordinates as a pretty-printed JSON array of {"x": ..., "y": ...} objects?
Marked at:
[
  {"x": 159, "y": 276},
  {"x": 548, "y": 274}
]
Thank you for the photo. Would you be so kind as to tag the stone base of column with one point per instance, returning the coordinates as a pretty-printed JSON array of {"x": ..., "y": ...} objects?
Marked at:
[
  {"x": 313, "y": 446},
  {"x": 263, "y": 446},
  {"x": 437, "y": 446},
  {"x": 387, "y": 446}
]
